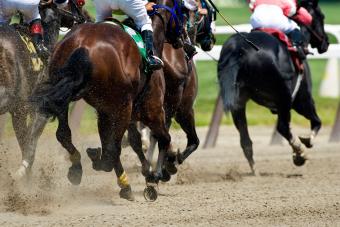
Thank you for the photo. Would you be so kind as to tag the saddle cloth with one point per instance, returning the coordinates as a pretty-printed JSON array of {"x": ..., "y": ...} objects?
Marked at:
[
  {"x": 37, "y": 63},
  {"x": 135, "y": 35},
  {"x": 281, "y": 36}
]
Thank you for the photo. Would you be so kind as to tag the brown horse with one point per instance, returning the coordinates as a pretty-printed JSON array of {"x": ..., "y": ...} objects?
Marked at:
[{"x": 101, "y": 64}]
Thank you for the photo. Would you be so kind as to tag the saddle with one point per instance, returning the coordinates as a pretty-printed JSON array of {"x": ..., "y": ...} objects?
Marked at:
[
  {"x": 281, "y": 36},
  {"x": 37, "y": 63}
]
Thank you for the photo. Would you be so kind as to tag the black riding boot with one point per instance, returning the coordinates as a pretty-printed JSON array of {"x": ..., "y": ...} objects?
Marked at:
[
  {"x": 36, "y": 31},
  {"x": 297, "y": 41},
  {"x": 153, "y": 61},
  {"x": 189, "y": 49},
  {"x": 189, "y": 36}
]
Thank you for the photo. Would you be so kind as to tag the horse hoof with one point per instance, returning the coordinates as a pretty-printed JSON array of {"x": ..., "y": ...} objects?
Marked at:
[
  {"x": 171, "y": 168},
  {"x": 126, "y": 193},
  {"x": 75, "y": 172},
  {"x": 299, "y": 160},
  {"x": 150, "y": 193},
  {"x": 165, "y": 176},
  {"x": 93, "y": 153},
  {"x": 306, "y": 141}
]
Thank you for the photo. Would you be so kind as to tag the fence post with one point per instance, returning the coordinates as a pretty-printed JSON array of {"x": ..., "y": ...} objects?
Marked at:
[
  {"x": 3, "y": 119},
  {"x": 276, "y": 139},
  {"x": 75, "y": 116},
  {"x": 335, "y": 134},
  {"x": 210, "y": 139}
]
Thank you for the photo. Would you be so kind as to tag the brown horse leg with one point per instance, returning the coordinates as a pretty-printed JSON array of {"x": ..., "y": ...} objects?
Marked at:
[
  {"x": 111, "y": 131},
  {"x": 136, "y": 143},
  {"x": 64, "y": 136},
  {"x": 187, "y": 122}
]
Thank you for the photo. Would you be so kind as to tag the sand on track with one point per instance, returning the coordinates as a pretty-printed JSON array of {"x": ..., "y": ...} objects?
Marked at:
[{"x": 213, "y": 187}]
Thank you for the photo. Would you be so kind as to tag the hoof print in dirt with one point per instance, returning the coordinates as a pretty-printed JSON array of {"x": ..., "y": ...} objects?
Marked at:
[
  {"x": 75, "y": 173},
  {"x": 150, "y": 193}
]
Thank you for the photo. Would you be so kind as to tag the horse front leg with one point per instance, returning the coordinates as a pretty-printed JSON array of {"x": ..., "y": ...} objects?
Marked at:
[
  {"x": 64, "y": 137},
  {"x": 283, "y": 127}
]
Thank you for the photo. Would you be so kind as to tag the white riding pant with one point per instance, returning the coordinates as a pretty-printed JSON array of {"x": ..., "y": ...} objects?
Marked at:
[
  {"x": 271, "y": 16},
  {"x": 190, "y": 5},
  {"x": 29, "y": 9},
  {"x": 132, "y": 8}
]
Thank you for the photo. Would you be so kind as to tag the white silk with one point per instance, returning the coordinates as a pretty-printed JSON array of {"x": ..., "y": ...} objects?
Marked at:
[
  {"x": 271, "y": 16},
  {"x": 133, "y": 8}
]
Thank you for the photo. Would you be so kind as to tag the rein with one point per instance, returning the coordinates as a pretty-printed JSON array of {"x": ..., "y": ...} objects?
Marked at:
[
  {"x": 176, "y": 16},
  {"x": 319, "y": 38}
]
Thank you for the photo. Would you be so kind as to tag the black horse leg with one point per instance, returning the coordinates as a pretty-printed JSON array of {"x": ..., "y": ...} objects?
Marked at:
[
  {"x": 111, "y": 131},
  {"x": 64, "y": 136},
  {"x": 135, "y": 141},
  {"x": 283, "y": 127},
  {"x": 304, "y": 105},
  {"x": 240, "y": 121}
]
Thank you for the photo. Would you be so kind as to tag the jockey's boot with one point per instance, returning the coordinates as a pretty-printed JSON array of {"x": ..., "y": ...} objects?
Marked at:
[
  {"x": 153, "y": 61},
  {"x": 297, "y": 40},
  {"x": 36, "y": 32}
]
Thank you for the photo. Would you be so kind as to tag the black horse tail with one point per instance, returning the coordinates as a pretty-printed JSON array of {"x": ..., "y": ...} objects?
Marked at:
[
  {"x": 65, "y": 85},
  {"x": 228, "y": 68}
]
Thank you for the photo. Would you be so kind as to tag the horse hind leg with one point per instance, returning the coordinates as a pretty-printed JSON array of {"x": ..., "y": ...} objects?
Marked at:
[
  {"x": 64, "y": 137},
  {"x": 240, "y": 121},
  {"x": 111, "y": 131}
]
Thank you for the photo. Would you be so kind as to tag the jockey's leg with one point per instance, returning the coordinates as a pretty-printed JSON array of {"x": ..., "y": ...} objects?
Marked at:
[
  {"x": 36, "y": 32},
  {"x": 298, "y": 42},
  {"x": 30, "y": 11},
  {"x": 189, "y": 32},
  {"x": 137, "y": 11}
]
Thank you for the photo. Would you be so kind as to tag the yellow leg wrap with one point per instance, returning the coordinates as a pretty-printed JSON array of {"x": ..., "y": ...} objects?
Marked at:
[{"x": 123, "y": 180}]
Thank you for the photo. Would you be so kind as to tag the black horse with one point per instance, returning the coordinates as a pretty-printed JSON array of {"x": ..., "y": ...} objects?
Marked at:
[
  {"x": 20, "y": 72},
  {"x": 269, "y": 78}
]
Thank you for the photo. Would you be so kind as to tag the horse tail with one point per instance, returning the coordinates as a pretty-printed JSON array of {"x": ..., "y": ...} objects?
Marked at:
[
  {"x": 228, "y": 68},
  {"x": 65, "y": 85}
]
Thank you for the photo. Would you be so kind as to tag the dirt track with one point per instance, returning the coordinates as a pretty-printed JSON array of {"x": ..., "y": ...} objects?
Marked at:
[{"x": 212, "y": 188}]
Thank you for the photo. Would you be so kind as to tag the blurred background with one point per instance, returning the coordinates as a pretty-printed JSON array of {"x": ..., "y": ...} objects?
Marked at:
[{"x": 237, "y": 12}]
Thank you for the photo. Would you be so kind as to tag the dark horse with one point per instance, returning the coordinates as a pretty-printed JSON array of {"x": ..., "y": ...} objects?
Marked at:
[
  {"x": 268, "y": 77},
  {"x": 101, "y": 64},
  {"x": 19, "y": 75}
]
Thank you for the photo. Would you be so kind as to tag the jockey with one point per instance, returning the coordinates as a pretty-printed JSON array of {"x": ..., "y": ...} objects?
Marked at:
[
  {"x": 281, "y": 15},
  {"x": 30, "y": 11},
  {"x": 137, "y": 10}
]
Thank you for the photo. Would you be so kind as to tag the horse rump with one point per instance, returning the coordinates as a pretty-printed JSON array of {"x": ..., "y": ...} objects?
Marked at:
[{"x": 65, "y": 85}]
